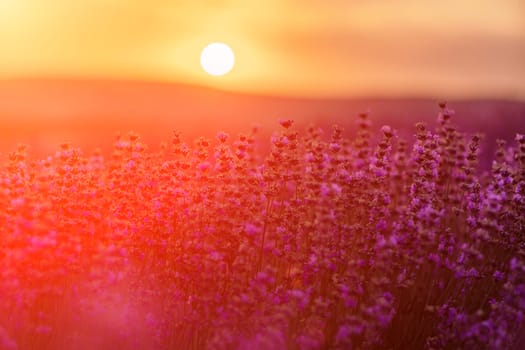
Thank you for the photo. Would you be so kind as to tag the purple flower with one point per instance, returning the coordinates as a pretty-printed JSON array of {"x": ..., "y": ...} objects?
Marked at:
[
  {"x": 498, "y": 275},
  {"x": 343, "y": 333}
]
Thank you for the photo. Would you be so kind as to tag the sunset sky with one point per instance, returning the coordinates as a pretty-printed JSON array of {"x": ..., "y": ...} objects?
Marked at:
[{"x": 459, "y": 48}]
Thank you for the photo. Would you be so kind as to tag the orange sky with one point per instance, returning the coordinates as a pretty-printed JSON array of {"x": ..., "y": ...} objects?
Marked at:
[{"x": 451, "y": 48}]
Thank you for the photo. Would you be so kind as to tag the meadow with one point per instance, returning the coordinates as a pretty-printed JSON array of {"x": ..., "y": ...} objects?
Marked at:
[{"x": 323, "y": 240}]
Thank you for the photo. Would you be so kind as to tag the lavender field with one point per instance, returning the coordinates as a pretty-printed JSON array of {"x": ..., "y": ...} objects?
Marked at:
[{"x": 328, "y": 240}]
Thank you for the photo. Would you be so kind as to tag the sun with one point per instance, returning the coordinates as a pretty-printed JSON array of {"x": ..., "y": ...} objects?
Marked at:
[{"x": 217, "y": 59}]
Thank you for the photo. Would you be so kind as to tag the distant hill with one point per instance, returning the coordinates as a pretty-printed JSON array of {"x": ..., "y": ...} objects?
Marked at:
[{"x": 44, "y": 112}]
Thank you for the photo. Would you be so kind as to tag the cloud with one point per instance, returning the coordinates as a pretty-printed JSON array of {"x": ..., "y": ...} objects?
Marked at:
[{"x": 403, "y": 61}]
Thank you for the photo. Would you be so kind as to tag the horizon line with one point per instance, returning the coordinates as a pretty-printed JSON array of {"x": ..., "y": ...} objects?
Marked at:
[{"x": 263, "y": 94}]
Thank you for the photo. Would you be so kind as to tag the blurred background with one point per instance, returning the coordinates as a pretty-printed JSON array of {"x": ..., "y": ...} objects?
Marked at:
[{"x": 81, "y": 70}]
